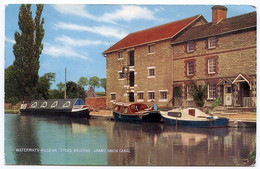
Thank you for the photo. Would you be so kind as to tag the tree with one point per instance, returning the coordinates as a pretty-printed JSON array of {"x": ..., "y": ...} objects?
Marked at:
[
  {"x": 74, "y": 90},
  {"x": 94, "y": 82},
  {"x": 199, "y": 93},
  {"x": 83, "y": 81},
  {"x": 12, "y": 92},
  {"x": 60, "y": 86},
  {"x": 27, "y": 49},
  {"x": 103, "y": 83},
  {"x": 43, "y": 86}
]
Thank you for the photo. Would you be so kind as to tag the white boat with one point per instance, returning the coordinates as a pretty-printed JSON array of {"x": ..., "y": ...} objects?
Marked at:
[{"x": 192, "y": 117}]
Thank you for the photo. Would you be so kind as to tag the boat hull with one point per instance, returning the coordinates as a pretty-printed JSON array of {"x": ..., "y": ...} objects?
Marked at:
[
  {"x": 84, "y": 113},
  {"x": 220, "y": 122},
  {"x": 153, "y": 116}
]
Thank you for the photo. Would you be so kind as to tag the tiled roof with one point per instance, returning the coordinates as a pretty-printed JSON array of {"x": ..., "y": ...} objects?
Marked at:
[
  {"x": 165, "y": 31},
  {"x": 227, "y": 25}
]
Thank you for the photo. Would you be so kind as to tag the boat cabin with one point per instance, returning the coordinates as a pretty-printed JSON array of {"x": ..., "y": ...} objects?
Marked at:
[{"x": 127, "y": 108}]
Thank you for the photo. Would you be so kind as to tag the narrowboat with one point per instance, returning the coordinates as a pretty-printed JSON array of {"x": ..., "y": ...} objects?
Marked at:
[
  {"x": 58, "y": 107},
  {"x": 135, "y": 113},
  {"x": 192, "y": 117}
]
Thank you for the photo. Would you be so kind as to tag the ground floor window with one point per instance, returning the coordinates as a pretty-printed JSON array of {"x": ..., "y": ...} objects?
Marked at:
[
  {"x": 151, "y": 95},
  {"x": 140, "y": 96},
  {"x": 112, "y": 96},
  {"x": 212, "y": 91},
  {"x": 163, "y": 95},
  {"x": 190, "y": 89}
]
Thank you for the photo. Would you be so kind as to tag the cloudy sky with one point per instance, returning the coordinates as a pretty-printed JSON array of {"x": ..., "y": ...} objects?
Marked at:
[{"x": 76, "y": 35}]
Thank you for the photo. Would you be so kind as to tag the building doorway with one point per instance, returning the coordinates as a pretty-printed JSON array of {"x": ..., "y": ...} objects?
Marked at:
[
  {"x": 177, "y": 97},
  {"x": 131, "y": 97},
  {"x": 244, "y": 93},
  {"x": 228, "y": 95}
]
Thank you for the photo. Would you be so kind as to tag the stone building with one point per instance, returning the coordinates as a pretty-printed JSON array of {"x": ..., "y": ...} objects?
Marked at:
[
  {"x": 220, "y": 55},
  {"x": 139, "y": 67},
  {"x": 161, "y": 63}
]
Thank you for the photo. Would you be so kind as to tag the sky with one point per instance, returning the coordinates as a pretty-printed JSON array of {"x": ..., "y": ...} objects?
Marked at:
[{"x": 76, "y": 35}]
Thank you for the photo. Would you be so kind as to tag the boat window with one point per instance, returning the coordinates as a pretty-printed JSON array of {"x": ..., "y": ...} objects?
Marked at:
[
  {"x": 67, "y": 104},
  {"x": 192, "y": 112},
  {"x": 79, "y": 102},
  {"x": 174, "y": 114},
  {"x": 34, "y": 104},
  {"x": 125, "y": 111},
  {"x": 54, "y": 104},
  {"x": 44, "y": 104}
]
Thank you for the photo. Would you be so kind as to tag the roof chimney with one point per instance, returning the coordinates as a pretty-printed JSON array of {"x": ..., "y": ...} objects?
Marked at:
[{"x": 218, "y": 13}]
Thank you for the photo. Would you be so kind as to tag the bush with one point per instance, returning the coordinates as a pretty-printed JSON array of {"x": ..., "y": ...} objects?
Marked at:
[
  {"x": 216, "y": 103},
  {"x": 13, "y": 100}
]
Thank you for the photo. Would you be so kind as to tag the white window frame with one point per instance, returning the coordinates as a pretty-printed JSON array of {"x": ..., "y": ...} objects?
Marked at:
[
  {"x": 34, "y": 105},
  {"x": 188, "y": 70},
  {"x": 212, "y": 66},
  {"x": 189, "y": 89},
  {"x": 44, "y": 104},
  {"x": 138, "y": 99},
  {"x": 54, "y": 104},
  {"x": 112, "y": 93},
  {"x": 210, "y": 97},
  {"x": 212, "y": 42},
  {"x": 151, "y": 68},
  {"x": 67, "y": 104},
  {"x": 189, "y": 46},
  {"x": 150, "y": 99},
  {"x": 120, "y": 55},
  {"x": 163, "y": 99},
  {"x": 151, "y": 49}
]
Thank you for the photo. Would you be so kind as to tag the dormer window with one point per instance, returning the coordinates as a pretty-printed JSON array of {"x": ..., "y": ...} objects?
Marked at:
[
  {"x": 151, "y": 49},
  {"x": 212, "y": 42},
  {"x": 190, "y": 46}
]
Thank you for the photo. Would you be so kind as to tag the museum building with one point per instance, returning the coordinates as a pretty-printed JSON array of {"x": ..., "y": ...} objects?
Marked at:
[{"x": 163, "y": 63}]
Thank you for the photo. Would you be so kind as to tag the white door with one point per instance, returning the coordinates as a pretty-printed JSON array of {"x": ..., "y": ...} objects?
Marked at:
[{"x": 227, "y": 95}]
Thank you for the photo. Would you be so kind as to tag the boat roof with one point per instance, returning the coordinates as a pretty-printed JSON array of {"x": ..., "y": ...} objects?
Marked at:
[{"x": 56, "y": 103}]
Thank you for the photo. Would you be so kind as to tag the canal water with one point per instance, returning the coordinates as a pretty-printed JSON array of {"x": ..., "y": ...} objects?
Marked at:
[{"x": 31, "y": 140}]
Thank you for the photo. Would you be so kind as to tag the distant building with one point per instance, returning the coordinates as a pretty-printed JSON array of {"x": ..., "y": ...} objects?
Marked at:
[{"x": 162, "y": 62}]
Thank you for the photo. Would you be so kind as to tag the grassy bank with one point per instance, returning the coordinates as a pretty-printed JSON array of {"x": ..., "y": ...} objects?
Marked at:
[{"x": 11, "y": 111}]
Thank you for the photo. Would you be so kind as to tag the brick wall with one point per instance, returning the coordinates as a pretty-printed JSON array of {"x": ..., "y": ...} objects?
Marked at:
[{"x": 96, "y": 102}]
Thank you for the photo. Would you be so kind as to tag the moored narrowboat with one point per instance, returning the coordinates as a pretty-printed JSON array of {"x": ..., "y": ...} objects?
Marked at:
[
  {"x": 192, "y": 117},
  {"x": 58, "y": 107},
  {"x": 135, "y": 113}
]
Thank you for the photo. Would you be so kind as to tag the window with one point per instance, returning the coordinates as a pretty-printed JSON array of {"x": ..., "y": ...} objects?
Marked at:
[
  {"x": 212, "y": 91},
  {"x": 190, "y": 88},
  {"x": 54, "y": 104},
  {"x": 212, "y": 42},
  {"x": 212, "y": 66},
  {"x": 34, "y": 104},
  {"x": 44, "y": 104},
  {"x": 151, "y": 72},
  {"x": 121, "y": 75},
  {"x": 163, "y": 95},
  {"x": 190, "y": 68},
  {"x": 140, "y": 96},
  {"x": 120, "y": 55},
  {"x": 113, "y": 96},
  {"x": 151, "y": 95},
  {"x": 67, "y": 104},
  {"x": 151, "y": 49},
  {"x": 190, "y": 46}
]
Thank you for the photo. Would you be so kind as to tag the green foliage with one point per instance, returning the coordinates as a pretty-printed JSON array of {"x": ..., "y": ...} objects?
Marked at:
[
  {"x": 13, "y": 100},
  {"x": 252, "y": 156},
  {"x": 60, "y": 86},
  {"x": 94, "y": 82},
  {"x": 74, "y": 90},
  {"x": 83, "y": 81},
  {"x": 11, "y": 87},
  {"x": 199, "y": 93},
  {"x": 43, "y": 86},
  {"x": 103, "y": 83},
  {"x": 216, "y": 103},
  {"x": 27, "y": 49},
  {"x": 56, "y": 94}
]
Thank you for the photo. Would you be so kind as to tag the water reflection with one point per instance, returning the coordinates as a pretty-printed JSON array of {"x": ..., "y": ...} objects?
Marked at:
[{"x": 103, "y": 142}]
